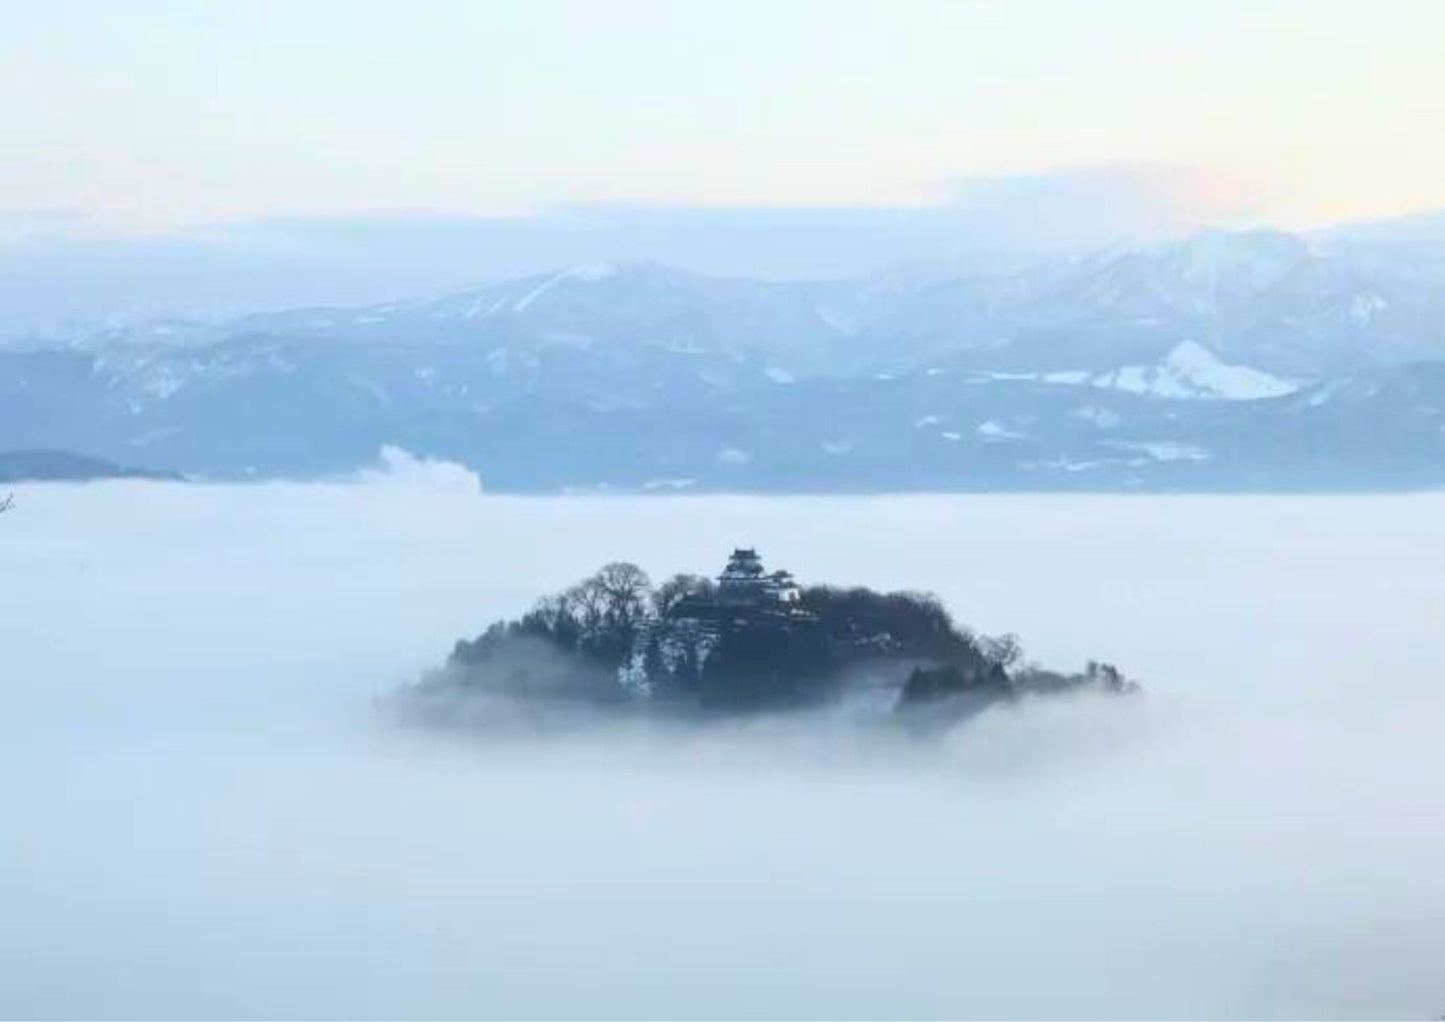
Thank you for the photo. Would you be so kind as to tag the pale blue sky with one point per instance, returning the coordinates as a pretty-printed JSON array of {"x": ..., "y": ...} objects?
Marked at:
[{"x": 156, "y": 115}]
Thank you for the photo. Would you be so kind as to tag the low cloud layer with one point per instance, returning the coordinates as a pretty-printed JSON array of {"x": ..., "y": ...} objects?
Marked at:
[{"x": 205, "y": 817}]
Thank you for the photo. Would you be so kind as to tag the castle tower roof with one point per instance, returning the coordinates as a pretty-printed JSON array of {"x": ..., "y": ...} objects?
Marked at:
[{"x": 743, "y": 564}]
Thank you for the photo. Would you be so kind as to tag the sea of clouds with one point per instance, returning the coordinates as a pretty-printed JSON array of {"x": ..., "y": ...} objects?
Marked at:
[{"x": 203, "y": 815}]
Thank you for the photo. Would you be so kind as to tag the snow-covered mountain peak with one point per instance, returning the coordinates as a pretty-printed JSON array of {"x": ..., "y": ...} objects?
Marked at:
[
  {"x": 1239, "y": 260},
  {"x": 582, "y": 273},
  {"x": 1191, "y": 366},
  {"x": 1190, "y": 371},
  {"x": 1261, "y": 299},
  {"x": 591, "y": 273}
]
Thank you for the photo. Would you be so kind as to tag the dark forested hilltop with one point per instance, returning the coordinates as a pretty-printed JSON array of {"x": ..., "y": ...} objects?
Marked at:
[{"x": 750, "y": 641}]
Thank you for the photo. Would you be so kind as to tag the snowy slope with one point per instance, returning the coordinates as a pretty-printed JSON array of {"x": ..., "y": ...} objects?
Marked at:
[
  {"x": 622, "y": 374},
  {"x": 1191, "y": 371}
]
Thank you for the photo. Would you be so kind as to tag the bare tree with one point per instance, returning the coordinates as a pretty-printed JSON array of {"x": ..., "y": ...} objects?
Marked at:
[
  {"x": 1004, "y": 650},
  {"x": 587, "y": 603},
  {"x": 625, "y": 590},
  {"x": 7, "y": 503},
  {"x": 679, "y": 588}
]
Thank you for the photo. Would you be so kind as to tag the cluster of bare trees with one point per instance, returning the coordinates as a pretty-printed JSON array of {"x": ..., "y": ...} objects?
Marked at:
[
  {"x": 620, "y": 598},
  {"x": 600, "y": 616}
]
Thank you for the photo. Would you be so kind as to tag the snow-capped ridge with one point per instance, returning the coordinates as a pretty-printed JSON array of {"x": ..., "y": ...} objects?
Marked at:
[
  {"x": 1189, "y": 371},
  {"x": 1192, "y": 372}
]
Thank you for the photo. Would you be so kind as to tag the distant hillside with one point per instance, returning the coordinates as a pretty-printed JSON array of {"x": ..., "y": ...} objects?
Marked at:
[
  {"x": 66, "y": 466},
  {"x": 1249, "y": 361}
]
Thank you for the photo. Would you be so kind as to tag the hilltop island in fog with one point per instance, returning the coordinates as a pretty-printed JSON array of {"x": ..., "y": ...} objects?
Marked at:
[{"x": 749, "y": 642}]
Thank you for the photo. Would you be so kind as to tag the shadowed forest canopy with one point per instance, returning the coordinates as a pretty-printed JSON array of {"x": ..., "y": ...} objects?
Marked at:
[{"x": 748, "y": 641}]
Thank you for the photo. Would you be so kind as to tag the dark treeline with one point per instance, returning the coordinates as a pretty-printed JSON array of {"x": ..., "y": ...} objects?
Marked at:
[{"x": 756, "y": 644}]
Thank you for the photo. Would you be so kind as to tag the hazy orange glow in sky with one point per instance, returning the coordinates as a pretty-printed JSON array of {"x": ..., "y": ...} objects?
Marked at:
[{"x": 156, "y": 114}]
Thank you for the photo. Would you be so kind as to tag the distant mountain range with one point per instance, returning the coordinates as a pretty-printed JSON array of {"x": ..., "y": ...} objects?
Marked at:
[{"x": 1230, "y": 361}]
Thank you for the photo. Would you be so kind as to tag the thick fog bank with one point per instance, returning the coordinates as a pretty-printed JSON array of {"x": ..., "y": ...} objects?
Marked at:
[{"x": 201, "y": 815}]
